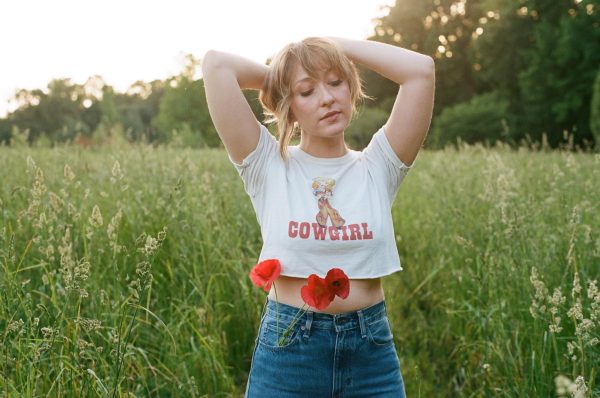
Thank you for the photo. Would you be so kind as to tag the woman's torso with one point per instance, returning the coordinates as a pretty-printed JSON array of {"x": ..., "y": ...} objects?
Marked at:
[
  {"x": 363, "y": 293},
  {"x": 321, "y": 213}
]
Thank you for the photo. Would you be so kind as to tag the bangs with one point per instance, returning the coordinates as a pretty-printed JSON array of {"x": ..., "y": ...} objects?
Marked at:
[{"x": 318, "y": 58}]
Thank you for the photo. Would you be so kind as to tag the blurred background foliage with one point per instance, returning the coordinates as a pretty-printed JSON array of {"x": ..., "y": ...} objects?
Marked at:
[{"x": 510, "y": 71}]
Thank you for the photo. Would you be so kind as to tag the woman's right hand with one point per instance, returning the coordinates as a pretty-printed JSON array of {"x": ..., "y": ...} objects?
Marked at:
[{"x": 224, "y": 76}]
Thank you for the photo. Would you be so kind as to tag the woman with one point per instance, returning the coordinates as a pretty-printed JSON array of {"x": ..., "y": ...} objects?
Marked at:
[{"x": 322, "y": 205}]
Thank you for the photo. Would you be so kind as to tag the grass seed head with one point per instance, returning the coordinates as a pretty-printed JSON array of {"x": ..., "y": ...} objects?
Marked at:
[
  {"x": 68, "y": 174},
  {"x": 538, "y": 306},
  {"x": 16, "y": 326},
  {"x": 116, "y": 172},
  {"x": 95, "y": 219}
]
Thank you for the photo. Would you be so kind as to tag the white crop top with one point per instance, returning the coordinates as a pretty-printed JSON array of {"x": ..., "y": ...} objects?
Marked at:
[{"x": 320, "y": 213}]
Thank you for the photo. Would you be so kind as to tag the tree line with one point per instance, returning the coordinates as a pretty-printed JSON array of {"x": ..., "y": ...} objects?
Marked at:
[{"x": 506, "y": 70}]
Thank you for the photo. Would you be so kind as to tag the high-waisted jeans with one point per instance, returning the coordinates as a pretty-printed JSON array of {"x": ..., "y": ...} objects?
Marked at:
[{"x": 350, "y": 354}]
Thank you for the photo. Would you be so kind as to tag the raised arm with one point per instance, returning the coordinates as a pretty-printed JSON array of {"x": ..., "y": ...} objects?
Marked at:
[
  {"x": 410, "y": 118},
  {"x": 225, "y": 75}
]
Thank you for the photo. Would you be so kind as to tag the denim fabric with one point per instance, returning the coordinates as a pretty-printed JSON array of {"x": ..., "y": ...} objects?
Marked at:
[{"x": 344, "y": 355}]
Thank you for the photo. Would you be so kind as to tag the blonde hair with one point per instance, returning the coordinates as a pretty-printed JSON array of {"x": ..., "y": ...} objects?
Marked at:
[{"x": 313, "y": 54}]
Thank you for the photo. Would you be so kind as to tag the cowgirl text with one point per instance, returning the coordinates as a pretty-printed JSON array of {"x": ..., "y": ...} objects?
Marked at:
[{"x": 304, "y": 230}]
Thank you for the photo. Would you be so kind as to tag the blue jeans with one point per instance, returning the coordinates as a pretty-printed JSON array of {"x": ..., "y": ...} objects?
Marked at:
[{"x": 350, "y": 354}]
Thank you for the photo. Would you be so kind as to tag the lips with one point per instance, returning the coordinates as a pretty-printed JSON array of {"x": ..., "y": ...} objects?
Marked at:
[{"x": 328, "y": 114}]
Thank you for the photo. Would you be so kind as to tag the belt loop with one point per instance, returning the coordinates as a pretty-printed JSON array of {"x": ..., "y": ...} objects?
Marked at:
[
  {"x": 361, "y": 322},
  {"x": 307, "y": 325}
]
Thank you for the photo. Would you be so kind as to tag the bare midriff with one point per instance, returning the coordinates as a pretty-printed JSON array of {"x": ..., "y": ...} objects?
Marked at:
[{"x": 363, "y": 293}]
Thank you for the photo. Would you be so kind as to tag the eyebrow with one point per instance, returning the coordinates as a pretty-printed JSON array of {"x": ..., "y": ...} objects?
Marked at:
[{"x": 302, "y": 80}]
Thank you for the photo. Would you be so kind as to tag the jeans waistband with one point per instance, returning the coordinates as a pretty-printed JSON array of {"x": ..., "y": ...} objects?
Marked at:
[{"x": 341, "y": 321}]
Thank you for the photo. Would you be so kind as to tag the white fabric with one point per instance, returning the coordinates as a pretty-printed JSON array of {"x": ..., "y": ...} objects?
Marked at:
[{"x": 360, "y": 186}]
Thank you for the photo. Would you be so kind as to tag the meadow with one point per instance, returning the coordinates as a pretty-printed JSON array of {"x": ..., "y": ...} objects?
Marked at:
[{"x": 124, "y": 273}]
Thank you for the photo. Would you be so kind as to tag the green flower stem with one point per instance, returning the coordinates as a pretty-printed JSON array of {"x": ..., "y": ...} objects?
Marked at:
[
  {"x": 277, "y": 304},
  {"x": 298, "y": 315}
]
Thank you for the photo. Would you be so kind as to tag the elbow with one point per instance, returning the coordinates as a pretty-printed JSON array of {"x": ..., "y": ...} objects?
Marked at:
[
  {"x": 211, "y": 60},
  {"x": 428, "y": 66}
]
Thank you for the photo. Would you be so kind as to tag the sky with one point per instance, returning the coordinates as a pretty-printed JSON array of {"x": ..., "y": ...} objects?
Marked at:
[{"x": 129, "y": 40}]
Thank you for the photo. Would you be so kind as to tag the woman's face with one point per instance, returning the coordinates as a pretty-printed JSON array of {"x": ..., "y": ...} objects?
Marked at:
[{"x": 322, "y": 106}]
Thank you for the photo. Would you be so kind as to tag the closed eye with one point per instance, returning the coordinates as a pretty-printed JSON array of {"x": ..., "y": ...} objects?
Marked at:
[{"x": 334, "y": 83}]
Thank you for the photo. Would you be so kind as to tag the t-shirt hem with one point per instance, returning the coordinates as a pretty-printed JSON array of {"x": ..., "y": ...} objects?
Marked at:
[{"x": 298, "y": 275}]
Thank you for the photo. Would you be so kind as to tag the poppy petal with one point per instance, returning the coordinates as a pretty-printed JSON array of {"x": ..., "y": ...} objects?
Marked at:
[
  {"x": 315, "y": 293},
  {"x": 338, "y": 282},
  {"x": 264, "y": 273}
]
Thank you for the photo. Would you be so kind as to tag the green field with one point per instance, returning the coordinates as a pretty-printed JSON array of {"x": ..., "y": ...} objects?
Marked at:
[{"x": 124, "y": 273}]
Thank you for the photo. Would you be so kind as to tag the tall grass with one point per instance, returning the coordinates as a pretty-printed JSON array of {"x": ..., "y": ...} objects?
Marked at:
[
  {"x": 124, "y": 273},
  {"x": 478, "y": 230}
]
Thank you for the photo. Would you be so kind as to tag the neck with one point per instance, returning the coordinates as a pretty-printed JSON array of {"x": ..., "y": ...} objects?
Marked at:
[{"x": 319, "y": 147}]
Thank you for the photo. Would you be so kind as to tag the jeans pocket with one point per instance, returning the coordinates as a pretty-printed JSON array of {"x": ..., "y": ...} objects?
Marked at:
[
  {"x": 278, "y": 337},
  {"x": 380, "y": 332}
]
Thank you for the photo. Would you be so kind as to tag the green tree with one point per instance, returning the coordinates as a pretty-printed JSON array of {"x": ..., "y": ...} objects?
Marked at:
[
  {"x": 108, "y": 107},
  {"x": 540, "y": 56},
  {"x": 367, "y": 121},
  {"x": 67, "y": 109},
  {"x": 562, "y": 64},
  {"x": 442, "y": 29},
  {"x": 183, "y": 107},
  {"x": 56, "y": 112},
  {"x": 110, "y": 128},
  {"x": 5, "y": 127},
  {"x": 595, "y": 111},
  {"x": 500, "y": 54},
  {"x": 138, "y": 106},
  {"x": 482, "y": 118}
]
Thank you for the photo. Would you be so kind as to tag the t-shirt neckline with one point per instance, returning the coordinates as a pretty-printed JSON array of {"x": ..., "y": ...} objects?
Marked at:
[{"x": 298, "y": 152}]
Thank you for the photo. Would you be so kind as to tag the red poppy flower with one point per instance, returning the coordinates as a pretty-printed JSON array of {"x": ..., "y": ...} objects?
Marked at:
[
  {"x": 264, "y": 273},
  {"x": 316, "y": 294},
  {"x": 338, "y": 283}
]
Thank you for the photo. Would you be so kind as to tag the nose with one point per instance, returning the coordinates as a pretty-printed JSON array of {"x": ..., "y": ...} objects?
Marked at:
[{"x": 326, "y": 95}]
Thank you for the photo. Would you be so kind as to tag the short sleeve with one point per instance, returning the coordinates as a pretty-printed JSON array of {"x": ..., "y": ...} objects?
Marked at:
[
  {"x": 388, "y": 169},
  {"x": 253, "y": 168}
]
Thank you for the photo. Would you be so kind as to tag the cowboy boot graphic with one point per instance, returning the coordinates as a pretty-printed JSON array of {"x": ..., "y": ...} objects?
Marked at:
[{"x": 323, "y": 191}]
